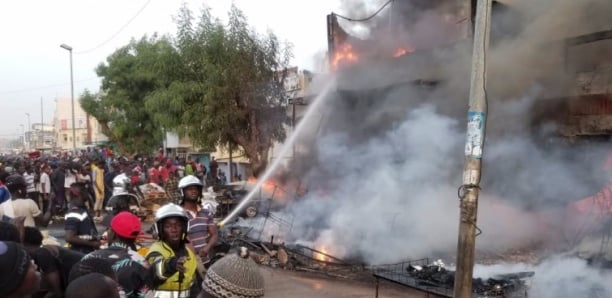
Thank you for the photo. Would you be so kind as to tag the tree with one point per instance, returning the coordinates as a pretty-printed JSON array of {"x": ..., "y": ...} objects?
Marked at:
[
  {"x": 229, "y": 91},
  {"x": 131, "y": 75}
]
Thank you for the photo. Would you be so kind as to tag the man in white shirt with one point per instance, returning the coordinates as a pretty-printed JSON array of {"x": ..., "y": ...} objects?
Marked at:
[
  {"x": 28, "y": 176},
  {"x": 70, "y": 178},
  {"x": 45, "y": 185},
  {"x": 19, "y": 206}
]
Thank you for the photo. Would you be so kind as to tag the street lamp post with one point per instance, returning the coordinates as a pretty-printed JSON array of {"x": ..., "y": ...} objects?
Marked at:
[
  {"x": 22, "y": 135},
  {"x": 69, "y": 49},
  {"x": 29, "y": 131}
]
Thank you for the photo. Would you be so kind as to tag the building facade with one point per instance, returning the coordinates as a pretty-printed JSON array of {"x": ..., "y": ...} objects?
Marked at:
[
  {"x": 40, "y": 136},
  {"x": 87, "y": 131}
]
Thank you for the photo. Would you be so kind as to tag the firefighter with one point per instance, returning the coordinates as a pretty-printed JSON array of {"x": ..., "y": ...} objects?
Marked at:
[
  {"x": 202, "y": 230},
  {"x": 173, "y": 264},
  {"x": 120, "y": 199}
]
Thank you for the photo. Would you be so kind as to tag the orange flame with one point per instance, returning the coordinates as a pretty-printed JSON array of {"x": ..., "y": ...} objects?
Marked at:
[
  {"x": 321, "y": 256},
  {"x": 402, "y": 51},
  {"x": 271, "y": 187},
  {"x": 344, "y": 55}
]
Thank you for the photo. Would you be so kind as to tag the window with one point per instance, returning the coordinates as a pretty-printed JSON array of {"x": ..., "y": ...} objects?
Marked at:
[{"x": 65, "y": 138}]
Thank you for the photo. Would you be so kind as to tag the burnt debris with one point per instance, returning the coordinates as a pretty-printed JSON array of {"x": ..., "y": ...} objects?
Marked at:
[{"x": 504, "y": 285}]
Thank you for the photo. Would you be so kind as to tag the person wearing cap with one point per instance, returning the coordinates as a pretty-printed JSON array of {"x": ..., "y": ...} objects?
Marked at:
[
  {"x": 130, "y": 267},
  {"x": 18, "y": 272},
  {"x": 235, "y": 275},
  {"x": 173, "y": 263}
]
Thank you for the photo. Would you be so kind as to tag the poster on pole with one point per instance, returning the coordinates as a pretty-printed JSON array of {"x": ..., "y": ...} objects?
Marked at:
[{"x": 475, "y": 134}]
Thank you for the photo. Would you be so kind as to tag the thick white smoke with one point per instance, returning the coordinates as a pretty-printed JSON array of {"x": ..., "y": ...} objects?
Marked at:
[
  {"x": 386, "y": 162},
  {"x": 383, "y": 164},
  {"x": 557, "y": 277}
]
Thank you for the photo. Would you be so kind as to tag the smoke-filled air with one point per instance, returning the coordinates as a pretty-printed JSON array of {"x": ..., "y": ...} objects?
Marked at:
[{"x": 382, "y": 158}]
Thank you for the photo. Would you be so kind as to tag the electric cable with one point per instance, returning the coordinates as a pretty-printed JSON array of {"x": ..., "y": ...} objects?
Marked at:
[
  {"x": 364, "y": 19},
  {"x": 116, "y": 33}
]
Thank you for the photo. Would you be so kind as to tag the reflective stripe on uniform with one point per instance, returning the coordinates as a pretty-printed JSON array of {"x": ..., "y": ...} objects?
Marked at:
[{"x": 171, "y": 294}]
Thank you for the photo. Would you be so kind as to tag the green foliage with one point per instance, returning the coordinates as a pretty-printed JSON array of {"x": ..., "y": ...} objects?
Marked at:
[
  {"x": 230, "y": 91},
  {"x": 129, "y": 77},
  {"x": 220, "y": 84}
]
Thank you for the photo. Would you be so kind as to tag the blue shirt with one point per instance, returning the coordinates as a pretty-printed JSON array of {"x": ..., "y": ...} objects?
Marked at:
[{"x": 5, "y": 195}]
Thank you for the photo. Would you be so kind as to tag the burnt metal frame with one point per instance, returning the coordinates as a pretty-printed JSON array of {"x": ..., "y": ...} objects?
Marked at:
[{"x": 398, "y": 274}]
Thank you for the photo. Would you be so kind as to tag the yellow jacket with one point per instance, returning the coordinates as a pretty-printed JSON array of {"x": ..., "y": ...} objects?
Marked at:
[
  {"x": 98, "y": 180},
  {"x": 171, "y": 283}
]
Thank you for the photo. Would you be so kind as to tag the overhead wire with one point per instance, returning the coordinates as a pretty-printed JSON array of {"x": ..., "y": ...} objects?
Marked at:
[
  {"x": 118, "y": 31},
  {"x": 367, "y": 18},
  {"x": 83, "y": 52}
]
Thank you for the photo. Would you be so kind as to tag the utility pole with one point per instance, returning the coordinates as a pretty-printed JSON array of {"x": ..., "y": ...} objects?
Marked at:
[
  {"x": 29, "y": 132},
  {"x": 69, "y": 49},
  {"x": 474, "y": 148},
  {"x": 42, "y": 126}
]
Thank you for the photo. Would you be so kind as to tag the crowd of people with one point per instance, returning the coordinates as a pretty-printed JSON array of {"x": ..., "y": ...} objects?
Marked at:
[{"x": 101, "y": 257}]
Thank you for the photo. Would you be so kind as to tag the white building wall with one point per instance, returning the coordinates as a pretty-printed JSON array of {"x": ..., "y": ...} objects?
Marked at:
[{"x": 62, "y": 122}]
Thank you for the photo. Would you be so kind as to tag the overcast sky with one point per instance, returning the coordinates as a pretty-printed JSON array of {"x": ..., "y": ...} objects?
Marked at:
[{"x": 33, "y": 66}]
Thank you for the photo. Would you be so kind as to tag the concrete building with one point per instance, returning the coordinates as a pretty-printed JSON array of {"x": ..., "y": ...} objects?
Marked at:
[
  {"x": 298, "y": 87},
  {"x": 301, "y": 87},
  {"x": 87, "y": 129},
  {"x": 40, "y": 136}
]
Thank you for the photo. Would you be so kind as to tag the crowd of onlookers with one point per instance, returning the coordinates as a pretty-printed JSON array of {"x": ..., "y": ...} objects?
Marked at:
[
  {"x": 104, "y": 259},
  {"x": 49, "y": 178}
]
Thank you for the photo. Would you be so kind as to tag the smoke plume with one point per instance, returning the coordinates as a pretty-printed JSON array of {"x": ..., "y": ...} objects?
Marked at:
[
  {"x": 384, "y": 164},
  {"x": 558, "y": 276}
]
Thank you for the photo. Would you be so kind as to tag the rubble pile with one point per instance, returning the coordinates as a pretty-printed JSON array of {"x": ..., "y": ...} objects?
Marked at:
[
  {"x": 421, "y": 275},
  {"x": 503, "y": 285},
  {"x": 293, "y": 256},
  {"x": 153, "y": 196}
]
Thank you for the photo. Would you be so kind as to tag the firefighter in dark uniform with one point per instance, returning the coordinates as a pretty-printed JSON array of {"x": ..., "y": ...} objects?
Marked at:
[{"x": 81, "y": 232}]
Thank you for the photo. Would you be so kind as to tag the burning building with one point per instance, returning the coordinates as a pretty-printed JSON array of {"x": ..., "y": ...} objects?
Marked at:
[{"x": 383, "y": 171}]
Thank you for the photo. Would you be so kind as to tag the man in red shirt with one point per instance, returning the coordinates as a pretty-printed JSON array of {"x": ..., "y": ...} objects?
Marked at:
[
  {"x": 154, "y": 175},
  {"x": 164, "y": 171}
]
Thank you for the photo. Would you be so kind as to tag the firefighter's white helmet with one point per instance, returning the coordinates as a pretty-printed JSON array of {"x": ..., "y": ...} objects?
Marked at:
[
  {"x": 167, "y": 211},
  {"x": 121, "y": 184},
  {"x": 189, "y": 180}
]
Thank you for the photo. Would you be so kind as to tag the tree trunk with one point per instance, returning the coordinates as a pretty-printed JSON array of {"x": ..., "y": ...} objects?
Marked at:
[
  {"x": 258, "y": 160},
  {"x": 111, "y": 137}
]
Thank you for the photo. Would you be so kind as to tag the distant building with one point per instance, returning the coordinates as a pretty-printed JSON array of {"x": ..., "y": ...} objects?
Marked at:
[
  {"x": 300, "y": 86},
  {"x": 40, "y": 136},
  {"x": 87, "y": 130},
  {"x": 297, "y": 85}
]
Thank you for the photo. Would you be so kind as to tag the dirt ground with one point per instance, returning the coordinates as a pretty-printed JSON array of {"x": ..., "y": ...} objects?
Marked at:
[{"x": 286, "y": 283}]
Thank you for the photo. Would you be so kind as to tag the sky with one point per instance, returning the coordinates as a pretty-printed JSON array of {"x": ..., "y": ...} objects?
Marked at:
[{"x": 33, "y": 66}]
